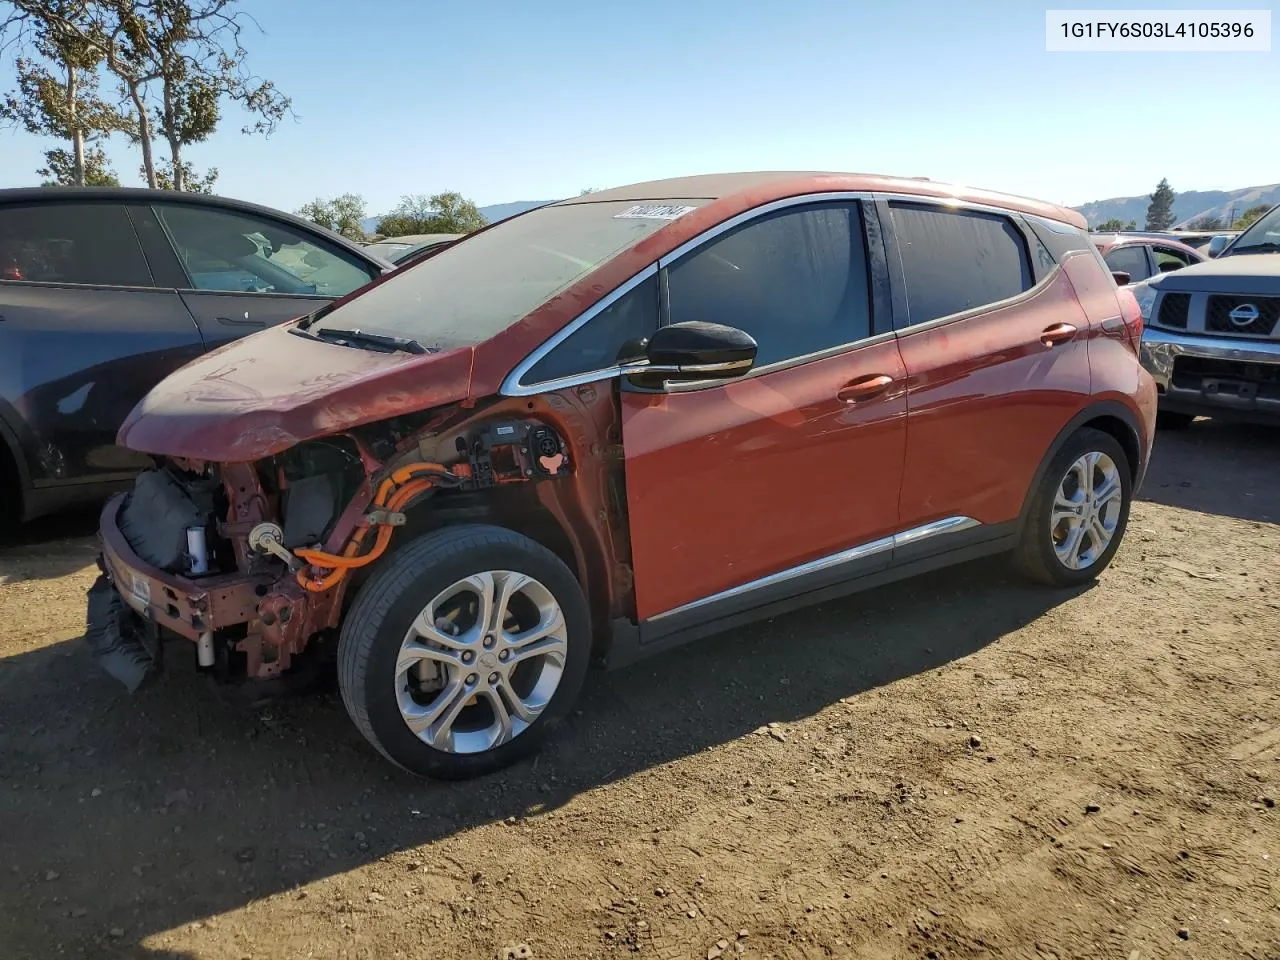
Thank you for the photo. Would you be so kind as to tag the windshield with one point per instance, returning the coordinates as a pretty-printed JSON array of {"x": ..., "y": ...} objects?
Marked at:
[
  {"x": 471, "y": 291},
  {"x": 1264, "y": 234}
]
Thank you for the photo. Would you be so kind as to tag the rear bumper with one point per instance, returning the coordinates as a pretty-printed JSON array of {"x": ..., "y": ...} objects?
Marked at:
[{"x": 1224, "y": 377}]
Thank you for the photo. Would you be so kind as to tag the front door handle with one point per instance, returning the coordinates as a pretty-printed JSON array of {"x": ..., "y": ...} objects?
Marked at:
[
  {"x": 1058, "y": 333},
  {"x": 237, "y": 322},
  {"x": 864, "y": 388}
]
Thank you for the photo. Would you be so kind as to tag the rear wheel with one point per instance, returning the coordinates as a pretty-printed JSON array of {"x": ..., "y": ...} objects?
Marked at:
[
  {"x": 1079, "y": 512},
  {"x": 1168, "y": 420},
  {"x": 459, "y": 656},
  {"x": 10, "y": 493}
]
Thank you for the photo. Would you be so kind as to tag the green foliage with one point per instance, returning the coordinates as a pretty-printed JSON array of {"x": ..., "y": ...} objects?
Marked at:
[
  {"x": 57, "y": 92},
  {"x": 1251, "y": 214},
  {"x": 1110, "y": 226},
  {"x": 1131, "y": 225},
  {"x": 191, "y": 181},
  {"x": 441, "y": 213},
  {"x": 1160, "y": 210},
  {"x": 342, "y": 214},
  {"x": 1206, "y": 223},
  {"x": 60, "y": 170}
]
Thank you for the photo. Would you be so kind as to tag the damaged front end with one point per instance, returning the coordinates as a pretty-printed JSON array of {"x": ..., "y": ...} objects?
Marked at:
[{"x": 251, "y": 562}]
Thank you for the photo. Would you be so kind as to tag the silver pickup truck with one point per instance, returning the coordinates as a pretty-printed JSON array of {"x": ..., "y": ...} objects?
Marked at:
[{"x": 1212, "y": 338}]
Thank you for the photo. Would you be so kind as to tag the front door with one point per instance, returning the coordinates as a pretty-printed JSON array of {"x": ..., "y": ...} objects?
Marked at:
[
  {"x": 995, "y": 346},
  {"x": 790, "y": 474}
]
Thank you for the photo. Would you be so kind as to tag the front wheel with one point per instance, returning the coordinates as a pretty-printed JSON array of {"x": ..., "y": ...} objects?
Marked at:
[
  {"x": 1078, "y": 513},
  {"x": 459, "y": 656}
]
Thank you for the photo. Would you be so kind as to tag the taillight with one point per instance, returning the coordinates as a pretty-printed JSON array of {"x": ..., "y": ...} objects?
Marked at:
[{"x": 1131, "y": 314}]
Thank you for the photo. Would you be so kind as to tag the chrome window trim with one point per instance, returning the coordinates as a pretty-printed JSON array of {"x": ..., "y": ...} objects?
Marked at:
[
  {"x": 860, "y": 552},
  {"x": 512, "y": 385}
]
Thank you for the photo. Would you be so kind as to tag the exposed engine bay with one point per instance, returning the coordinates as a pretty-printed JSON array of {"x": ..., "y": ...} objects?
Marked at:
[{"x": 251, "y": 561}]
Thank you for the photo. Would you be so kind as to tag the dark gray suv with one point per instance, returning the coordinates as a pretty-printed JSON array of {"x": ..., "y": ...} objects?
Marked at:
[{"x": 104, "y": 292}]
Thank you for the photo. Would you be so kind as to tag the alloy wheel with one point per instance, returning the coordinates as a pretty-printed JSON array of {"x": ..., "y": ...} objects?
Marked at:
[
  {"x": 481, "y": 662},
  {"x": 1086, "y": 510}
]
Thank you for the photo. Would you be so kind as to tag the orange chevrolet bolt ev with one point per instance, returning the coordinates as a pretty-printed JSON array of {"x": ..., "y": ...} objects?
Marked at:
[{"x": 558, "y": 439}]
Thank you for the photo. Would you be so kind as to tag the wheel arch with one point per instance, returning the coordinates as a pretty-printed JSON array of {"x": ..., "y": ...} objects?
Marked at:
[
  {"x": 1112, "y": 418},
  {"x": 13, "y": 467}
]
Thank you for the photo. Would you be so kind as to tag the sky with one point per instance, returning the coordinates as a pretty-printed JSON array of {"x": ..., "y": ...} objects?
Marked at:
[{"x": 503, "y": 100}]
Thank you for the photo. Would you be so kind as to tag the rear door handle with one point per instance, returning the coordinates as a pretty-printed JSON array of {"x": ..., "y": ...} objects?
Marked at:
[
  {"x": 864, "y": 388},
  {"x": 1058, "y": 333},
  {"x": 238, "y": 322},
  {"x": 1113, "y": 325}
]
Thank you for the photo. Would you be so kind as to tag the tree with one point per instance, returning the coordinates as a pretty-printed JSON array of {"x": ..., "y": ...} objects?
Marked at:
[
  {"x": 1160, "y": 211},
  {"x": 61, "y": 170},
  {"x": 1131, "y": 225},
  {"x": 344, "y": 214},
  {"x": 57, "y": 92},
  {"x": 441, "y": 213},
  {"x": 1205, "y": 223},
  {"x": 1251, "y": 214},
  {"x": 1113, "y": 225},
  {"x": 177, "y": 60},
  {"x": 191, "y": 181}
]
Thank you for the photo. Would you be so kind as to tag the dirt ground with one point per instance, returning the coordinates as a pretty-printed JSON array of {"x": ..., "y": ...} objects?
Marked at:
[{"x": 959, "y": 766}]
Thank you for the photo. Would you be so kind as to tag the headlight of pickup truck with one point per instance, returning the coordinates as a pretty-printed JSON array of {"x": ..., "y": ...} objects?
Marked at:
[{"x": 1145, "y": 294}]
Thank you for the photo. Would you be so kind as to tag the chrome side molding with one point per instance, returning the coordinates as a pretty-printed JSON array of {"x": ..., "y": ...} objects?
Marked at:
[{"x": 861, "y": 552}]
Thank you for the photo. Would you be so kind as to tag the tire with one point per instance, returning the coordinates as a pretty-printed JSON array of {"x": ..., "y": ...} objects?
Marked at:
[
  {"x": 1168, "y": 420},
  {"x": 1040, "y": 552},
  {"x": 463, "y": 673},
  {"x": 10, "y": 493}
]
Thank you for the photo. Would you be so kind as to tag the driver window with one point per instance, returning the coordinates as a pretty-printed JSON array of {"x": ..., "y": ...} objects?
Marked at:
[
  {"x": 233, "y": 252},
  {"x": 606, "y": 339}
]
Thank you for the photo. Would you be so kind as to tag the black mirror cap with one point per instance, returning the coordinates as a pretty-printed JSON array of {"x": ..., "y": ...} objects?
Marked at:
[
  {"x": 1121, "y": 278},
  {"x": 695, "y": 350}
]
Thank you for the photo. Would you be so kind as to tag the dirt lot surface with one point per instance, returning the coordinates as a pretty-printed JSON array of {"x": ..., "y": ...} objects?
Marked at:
[{"x": 960, "y": 766}]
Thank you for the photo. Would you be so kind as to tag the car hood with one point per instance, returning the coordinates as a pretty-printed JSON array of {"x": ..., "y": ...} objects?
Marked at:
[
  {"x": 270, "y": 391},
  {"x": 1239, "y": 273}
]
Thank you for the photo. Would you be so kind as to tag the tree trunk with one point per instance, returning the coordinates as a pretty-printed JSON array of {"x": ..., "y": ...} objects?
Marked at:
[
  {"x": 77, "y": 134},
  {"x": 175, "y": 152},
  {"x": 175, "y": 144},
  {"x": 144, "y": 133}
]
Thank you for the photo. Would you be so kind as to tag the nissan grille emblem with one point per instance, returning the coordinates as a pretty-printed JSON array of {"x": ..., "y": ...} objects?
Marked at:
[{"x": 1244, "y": 314}]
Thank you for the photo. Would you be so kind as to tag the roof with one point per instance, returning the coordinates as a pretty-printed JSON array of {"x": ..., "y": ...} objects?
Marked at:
[
  {"x": 1109, "y": 241},
  {"x": 414, "y": 238},
  {"x": 145, "y": 195},
  {"x": 768, "y": 185}
]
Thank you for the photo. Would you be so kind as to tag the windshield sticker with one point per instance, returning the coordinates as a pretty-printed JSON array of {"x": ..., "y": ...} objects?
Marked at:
[{"x": 653, "y": 211}]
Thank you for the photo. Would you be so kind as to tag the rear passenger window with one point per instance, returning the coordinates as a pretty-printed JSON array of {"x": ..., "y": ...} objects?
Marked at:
[
  {"x": 71, "y": 243},
  {"x": 958, "y": 260},
  {"x": 795, "y": 280}
]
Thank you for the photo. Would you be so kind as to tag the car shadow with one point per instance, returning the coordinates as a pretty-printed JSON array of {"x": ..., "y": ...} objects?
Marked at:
[
  {"x": 145, "y": 813},
  {"x": 50, "y": 547},
  {"x": 1228, "y": 469}
]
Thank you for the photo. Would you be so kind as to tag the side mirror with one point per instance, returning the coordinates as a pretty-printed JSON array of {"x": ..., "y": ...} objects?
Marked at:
[
  {"x": 1218, "y": 244},
  {"x": 1121, "y": 278},
  {"x": 694, "y": 350}
]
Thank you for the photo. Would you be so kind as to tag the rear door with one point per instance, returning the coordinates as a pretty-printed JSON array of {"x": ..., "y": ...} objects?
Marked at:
[
  {"x": 995, "y": 348},
  {"x": 738, "y": 491},
  {"x": 239, "y": 273},
  {"x": 84, "y": 334}
]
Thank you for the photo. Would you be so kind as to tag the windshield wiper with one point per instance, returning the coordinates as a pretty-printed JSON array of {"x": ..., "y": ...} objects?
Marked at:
[
  {"x": 1267, "y": 246},
  {"x": 358, "y": 338}
]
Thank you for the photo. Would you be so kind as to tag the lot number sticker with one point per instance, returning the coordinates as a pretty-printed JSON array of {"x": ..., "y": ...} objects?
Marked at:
[{"x": 653, "y": 211}]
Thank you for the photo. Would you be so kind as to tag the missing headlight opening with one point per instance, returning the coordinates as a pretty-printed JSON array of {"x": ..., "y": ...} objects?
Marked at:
[{"x": 251, "y": 562}]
